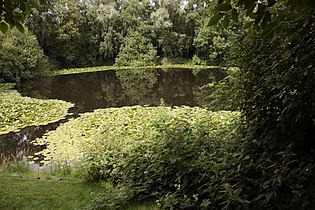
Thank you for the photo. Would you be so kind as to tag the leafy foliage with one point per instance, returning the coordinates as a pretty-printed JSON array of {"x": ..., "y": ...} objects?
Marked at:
[
  {"x": 17, "y": 112},
  {"x": 212, "y": 45},
  {"x": 151, "y": 151},
  {"x": 224, "y": 94},
  {"x": 136, "y": 51},
  {"x": 65, "y": 31},
  {"x": 264, "y": 15},
  {"x": 14, "y": 12},
  {"x": 87, "y": 33},
  {"x": 21, "y": 57},
  {"x": 277, "y": 164}
]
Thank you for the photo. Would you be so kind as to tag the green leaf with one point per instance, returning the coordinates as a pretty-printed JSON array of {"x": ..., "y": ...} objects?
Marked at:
[
  {"x": 19, "y": 16},
  {"x": 248, "y": 25},
  {"x": 28, "y": 9},
  {"x": 269, "y": 195},
  {"x": 9, "y": 19},
  {"x": 35, "y": 4},
  {"x": 264, "y": 23},
  {"x": 20, "y": 27},
  {"x": 234, "y": 15},
  {"x": 215, "y": 19},
  {"x": 268, "y": 34},
  {"x": 43, "y": 1},
  {"x": 226, "y": 21},
  {"x": 258, "y": 197},
  {"x": 4, "y": 27},
  {"x": 224, "y": 7},
  {"x": 16, "y": 2},
  {"x": 250, "y": 9},
  {"x": 292, "y": 4},
  {"x": 252, "y": 15}
]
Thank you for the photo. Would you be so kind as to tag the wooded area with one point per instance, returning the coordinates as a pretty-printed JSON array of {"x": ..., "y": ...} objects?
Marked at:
[{"x": 262, "y": 160}]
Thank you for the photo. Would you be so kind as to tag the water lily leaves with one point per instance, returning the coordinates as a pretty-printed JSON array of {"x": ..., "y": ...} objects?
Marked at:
[{"x": 18, "y": 112}]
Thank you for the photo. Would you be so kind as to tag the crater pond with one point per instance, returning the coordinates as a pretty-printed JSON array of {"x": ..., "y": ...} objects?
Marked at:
[{"x": 104, "y": 89}]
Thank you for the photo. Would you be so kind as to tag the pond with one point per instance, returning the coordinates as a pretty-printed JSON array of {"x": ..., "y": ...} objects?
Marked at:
[{"x": 104, "y": 89}]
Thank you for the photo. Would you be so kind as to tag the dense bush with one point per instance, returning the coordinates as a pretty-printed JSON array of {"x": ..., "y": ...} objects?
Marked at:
[
  {"x": 212, "y": 46},
  {"x": 224, "y": 94},
  {"x": 21, "y": 57},
  {"x": 279, "y": 97},
  {"x": 178, "y": 157},
  {"x": 137, "y": 50}
]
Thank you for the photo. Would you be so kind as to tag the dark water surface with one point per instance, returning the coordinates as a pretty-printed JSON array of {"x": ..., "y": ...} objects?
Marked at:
[{"x": 90, "y": 91}]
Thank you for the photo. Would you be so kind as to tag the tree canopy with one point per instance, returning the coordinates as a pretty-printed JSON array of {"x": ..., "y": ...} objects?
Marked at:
[{"x": 266, "y": 15}]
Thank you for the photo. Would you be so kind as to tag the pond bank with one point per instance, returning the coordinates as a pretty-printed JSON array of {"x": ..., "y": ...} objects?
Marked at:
[
  {"x": 105, "y": 68},
  {"x": 37, "y": 194}
]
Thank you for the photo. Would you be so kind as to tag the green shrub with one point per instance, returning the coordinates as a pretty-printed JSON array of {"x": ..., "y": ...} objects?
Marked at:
[
  {"x": 137, "y": 50},
  {"x": 279, "y": 97},
  {"x": 178, "y": 156},
  {"x": 21, "y": 57},
  {"x": 197, "y": 61},
  {"x": 222, "y": 95},
  {"x": 173, "y": 60}
]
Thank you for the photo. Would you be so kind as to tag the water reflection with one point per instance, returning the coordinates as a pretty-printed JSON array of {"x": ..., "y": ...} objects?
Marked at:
[
  {"x": 90, "y": 91},
  {"x": 15, "y": 145}
]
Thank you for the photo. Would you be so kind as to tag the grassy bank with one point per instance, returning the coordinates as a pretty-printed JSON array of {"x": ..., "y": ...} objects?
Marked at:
[
  {"x": 149, "y": 153},
  {"x": 104, "y": 68},
  {"x": 17, "y": 112},
  {"x": 23, "y": 189},
  {"x": 28, "y": 193},
  {"x": 38, "y": 194}
]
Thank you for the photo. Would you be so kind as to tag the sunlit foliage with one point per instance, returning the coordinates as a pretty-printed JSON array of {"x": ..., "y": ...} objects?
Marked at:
[
  {"x": 153, "y": 151},
  {"x": 17, "y": 112},
  {"x": 21, "y": 57}
]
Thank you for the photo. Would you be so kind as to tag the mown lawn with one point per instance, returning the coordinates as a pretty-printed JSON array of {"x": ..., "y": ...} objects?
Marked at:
[{"x": 32, "y": 194}]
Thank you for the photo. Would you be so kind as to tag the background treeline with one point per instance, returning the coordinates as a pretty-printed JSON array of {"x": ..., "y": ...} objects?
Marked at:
[{"x": 75, "y": 33}]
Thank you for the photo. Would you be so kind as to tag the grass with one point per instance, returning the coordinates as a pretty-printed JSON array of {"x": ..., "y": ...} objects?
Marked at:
[
  {"x": 105, "y": 68},
  {"x": 26, "y": 193},
  {"x": 36, "y": 194},
  {"x": 23, "y": 189}
]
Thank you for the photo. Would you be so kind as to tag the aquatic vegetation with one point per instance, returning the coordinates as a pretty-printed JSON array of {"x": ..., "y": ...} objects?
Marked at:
[
  {"x": 105, "y": 68},
  {"x": 17, "y": 112}
]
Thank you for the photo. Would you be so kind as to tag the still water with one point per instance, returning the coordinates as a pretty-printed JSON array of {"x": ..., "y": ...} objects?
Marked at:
[{"x": 90, "y": 91}]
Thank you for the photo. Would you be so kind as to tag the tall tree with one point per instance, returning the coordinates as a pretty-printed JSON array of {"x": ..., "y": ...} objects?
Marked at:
[{"x": 64, "y": 31}]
